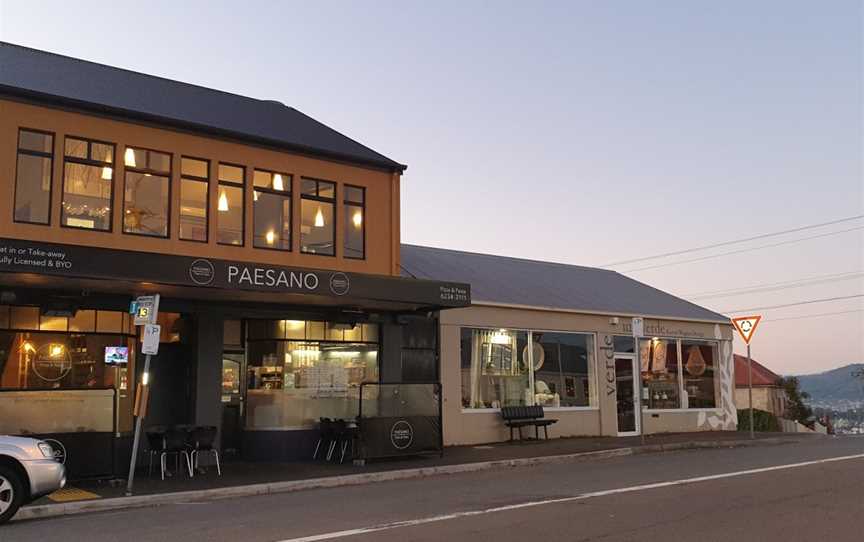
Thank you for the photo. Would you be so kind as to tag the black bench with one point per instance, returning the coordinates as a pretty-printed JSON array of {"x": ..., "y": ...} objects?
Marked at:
[{"x": 517, "y": 417}]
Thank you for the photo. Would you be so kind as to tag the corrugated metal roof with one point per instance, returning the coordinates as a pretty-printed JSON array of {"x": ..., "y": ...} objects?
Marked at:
[
  {"x": 96, "y": 87},
  {"x": 762, "y": 376},
  {"x": 528, "y": 283}
]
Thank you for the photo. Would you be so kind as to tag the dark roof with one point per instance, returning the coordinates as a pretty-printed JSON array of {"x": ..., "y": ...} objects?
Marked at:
[
  {"x": 762, "y": 376},
  {"x": 514, "y": 281},
  {"x": 79, "y": 84}
]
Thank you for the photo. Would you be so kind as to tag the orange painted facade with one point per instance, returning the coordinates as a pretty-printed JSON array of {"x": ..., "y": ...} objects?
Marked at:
[{"x": 382, "y": 191}]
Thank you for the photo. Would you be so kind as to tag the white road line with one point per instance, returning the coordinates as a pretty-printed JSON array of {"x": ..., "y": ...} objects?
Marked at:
[{"x": 580, "y": 497}]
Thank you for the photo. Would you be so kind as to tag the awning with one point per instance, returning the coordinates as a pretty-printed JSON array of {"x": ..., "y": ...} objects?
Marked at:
[{"x": 45, "y": 265}]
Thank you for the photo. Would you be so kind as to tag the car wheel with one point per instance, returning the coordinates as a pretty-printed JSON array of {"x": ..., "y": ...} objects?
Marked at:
[{"x": 11, "y": 493}]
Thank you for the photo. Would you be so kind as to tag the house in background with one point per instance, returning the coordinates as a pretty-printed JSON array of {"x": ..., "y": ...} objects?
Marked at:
[{"x": 768, "y": 395}]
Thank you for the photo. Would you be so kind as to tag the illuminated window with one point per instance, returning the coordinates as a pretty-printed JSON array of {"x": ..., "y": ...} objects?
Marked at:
[
  {"x": 88, "y": 184},
  {"x": 194, "y": 199},
  {"x": 317, "y": 220},
  {"x": 33, "y": 177},
  {"x": 272, "y": 210},
  {"x": 230, "y": 205},
  {"x": 147, "y": 192},
  {"x": 355, "y": 222}
]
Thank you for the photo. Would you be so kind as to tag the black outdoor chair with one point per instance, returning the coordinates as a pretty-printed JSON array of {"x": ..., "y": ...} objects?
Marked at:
[
  {"x": 344, "y": 436},
  {"x": 326, "y": 436},
  {"x": 165, "y": 442},
  {"x": 203, "y": 439}
]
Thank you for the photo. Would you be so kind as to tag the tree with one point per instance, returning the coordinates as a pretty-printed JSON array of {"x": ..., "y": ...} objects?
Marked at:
[{"x": 796, "y": 408}]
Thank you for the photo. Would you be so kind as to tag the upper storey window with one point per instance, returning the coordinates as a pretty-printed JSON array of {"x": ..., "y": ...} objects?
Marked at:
[
  {"x": 194, "y": 199},
  {"x": 88, "y": 184},
  {"x": 317, "y": 220},
  {"x": 355, "y": 222},
  {"x": 147, "y": 190},
  {"x": 272, "y": 210},
  {"x": 230, "y": 205},
  {"x": 33, "y": 177}
]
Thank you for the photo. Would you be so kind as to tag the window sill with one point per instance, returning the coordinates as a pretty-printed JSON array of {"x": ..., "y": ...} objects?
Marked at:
[
  {"x": 545, "y": 409},
  {"x": 679, "y": 410}
]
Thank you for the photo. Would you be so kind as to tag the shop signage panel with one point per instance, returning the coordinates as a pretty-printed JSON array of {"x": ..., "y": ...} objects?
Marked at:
[
  {"x": 150, "y": 341},
  {"x": 100, "y": 263}
]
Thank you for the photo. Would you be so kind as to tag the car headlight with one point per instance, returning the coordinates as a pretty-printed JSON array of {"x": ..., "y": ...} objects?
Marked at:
[{"x": 46, "y": 450}]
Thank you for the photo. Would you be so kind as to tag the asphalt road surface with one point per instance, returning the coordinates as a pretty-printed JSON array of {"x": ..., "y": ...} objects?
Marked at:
[{"x": 811, "y": 491}]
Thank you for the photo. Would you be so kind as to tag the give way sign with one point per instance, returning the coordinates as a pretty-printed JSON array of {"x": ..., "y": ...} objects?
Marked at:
[{"x": 746, "y": 326}]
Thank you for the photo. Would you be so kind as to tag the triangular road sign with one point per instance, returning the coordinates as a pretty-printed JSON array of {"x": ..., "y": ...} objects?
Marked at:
[{"x": 746, "y": 326}]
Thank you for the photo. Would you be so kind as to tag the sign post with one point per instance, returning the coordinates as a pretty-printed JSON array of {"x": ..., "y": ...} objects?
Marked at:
[
  {"x": 145, "y": 309},
  {"x": 746, "y": 326},
  {"x": 638, "y": 327}
]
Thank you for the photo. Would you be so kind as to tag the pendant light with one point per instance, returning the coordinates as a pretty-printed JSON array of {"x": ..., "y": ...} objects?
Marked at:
[
  {"x": 223, "y": 202},
  {"x": 358, "y": 219},
  {"x": 319, "y": 219},
  {"x": 129, "y": 157},
  {"x": 270, "y": 237},
  {"x": 277, "y": 182},
  {"x": 106, "y": 173}
]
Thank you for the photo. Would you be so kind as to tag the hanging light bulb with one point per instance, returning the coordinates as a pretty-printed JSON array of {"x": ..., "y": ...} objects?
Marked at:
[
  {"x": 270, "y": 237},
  {"x": 223, "y": 202},
  {"x": 319, "y": 219},
  {"x": 129, "y": 157},
  {"x": 255, "y": 195},
  {"x": 106, "y": 173},
  {"x": 358, "y": 219},
  {"x": 277, "y": 182}
]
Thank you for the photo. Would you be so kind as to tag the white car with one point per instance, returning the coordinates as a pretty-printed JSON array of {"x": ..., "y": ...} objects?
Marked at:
[{"x": 28, "y": 470}]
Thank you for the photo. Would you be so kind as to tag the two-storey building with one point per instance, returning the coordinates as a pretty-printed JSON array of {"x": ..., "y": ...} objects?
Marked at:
[{"x": 272, "y": 239}]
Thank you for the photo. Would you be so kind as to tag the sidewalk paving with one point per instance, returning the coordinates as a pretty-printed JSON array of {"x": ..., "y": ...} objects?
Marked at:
[{"x": 246, "y": 478}]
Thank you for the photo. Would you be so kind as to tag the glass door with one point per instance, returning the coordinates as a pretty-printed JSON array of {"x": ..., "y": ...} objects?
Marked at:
[
  {"x": 232, "y": 402},
  {"x": 627, "y": 395}
]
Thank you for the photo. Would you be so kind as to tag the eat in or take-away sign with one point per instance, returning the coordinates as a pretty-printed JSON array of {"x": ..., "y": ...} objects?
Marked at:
[{"x": 746, "y": 326}]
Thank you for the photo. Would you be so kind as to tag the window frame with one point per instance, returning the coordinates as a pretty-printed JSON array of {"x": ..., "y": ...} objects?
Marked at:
[
  {"x": 346, "y": 204},
  {"x": 90, "y": 162},
  {"x": 155, "y": 173},
  {"x": 593, "y": 380},
  {"x": 195, "y": 178},
  {"x": 321, "y": 199},
  {"x": 40, "y": 154},
  {"x": 284, "y": 194},
  {"x": 684, "y": 399},
  {"x": 242, "y": 187}
]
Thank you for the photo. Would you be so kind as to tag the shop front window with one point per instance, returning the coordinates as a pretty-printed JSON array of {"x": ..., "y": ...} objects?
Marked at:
[
  {"x": 563, "y": 369},
  {"x": 300, "y": 371},
  {"x": 504, "y": 367},
  {"x": 699, "y": 360},
  {"x": 660, "y": 371}
]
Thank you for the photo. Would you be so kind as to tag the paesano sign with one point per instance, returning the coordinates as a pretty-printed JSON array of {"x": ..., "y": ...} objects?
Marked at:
[{"x": 75, "y": 261}]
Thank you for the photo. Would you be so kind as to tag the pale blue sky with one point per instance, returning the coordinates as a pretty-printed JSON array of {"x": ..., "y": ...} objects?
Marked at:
[{"x": 581, "y": 132}]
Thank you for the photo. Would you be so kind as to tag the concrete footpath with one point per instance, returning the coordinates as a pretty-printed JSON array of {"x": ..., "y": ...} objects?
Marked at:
[{"x": 248, "y": 479}]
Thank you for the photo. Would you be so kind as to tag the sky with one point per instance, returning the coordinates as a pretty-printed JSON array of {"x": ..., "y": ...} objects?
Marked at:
[{"x": 577, "y": 132}]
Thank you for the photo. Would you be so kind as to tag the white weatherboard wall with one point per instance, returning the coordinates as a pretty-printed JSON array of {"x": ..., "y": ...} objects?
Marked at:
[{"x": 471, "y": 426}]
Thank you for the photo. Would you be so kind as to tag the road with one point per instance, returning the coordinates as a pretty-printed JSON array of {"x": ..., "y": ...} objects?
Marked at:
[{"x": 807, "y": 491}]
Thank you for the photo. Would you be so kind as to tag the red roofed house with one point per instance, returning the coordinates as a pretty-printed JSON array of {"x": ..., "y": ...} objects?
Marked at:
[{"x": 767, "y": 393}]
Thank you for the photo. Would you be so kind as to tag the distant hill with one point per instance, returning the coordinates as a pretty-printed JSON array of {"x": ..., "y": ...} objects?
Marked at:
[{"x": 834, "y": 385}]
